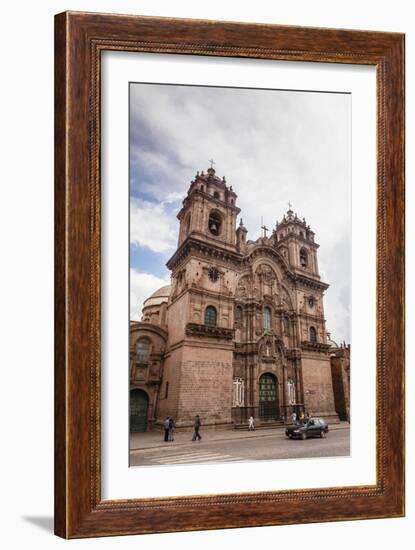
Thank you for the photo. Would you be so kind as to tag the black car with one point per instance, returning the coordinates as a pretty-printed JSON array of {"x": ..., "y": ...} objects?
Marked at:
[{"x": 314, "y": 427}]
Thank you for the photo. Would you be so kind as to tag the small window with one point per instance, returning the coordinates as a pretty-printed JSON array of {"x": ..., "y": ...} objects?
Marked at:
[
  {"x": 238, "y": 313},
  {"x": 216, "y": 195},
  {"x": 267, "y": 318},
  {"x": 210, "y": 316},
  {"x": 303, "y": 258},
  {"x": 143, "y": 350},
  {"x": 213, "y": 274},
  {"x": 313, "y": 334},
  {"x": 202, "y": 188},
  {"x": 188, "y": 220}
]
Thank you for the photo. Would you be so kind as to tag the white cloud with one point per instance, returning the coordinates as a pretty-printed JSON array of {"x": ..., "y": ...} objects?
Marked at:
[
  {"x": 151, "y": 226},
  {"x": 142, "y": 285}
]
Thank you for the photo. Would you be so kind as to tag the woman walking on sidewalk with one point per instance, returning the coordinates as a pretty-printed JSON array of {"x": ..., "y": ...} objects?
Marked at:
[{"x": 251, "y": 424}]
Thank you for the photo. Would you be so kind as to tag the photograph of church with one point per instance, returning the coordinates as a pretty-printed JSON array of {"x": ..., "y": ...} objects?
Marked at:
[{"x": 238, "y": 330}]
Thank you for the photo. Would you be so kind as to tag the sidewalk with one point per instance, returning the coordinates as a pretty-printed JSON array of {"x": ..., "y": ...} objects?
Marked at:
[{"x": 155, "y": 440}]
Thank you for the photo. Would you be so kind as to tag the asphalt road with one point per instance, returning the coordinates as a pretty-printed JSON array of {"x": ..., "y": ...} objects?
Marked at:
[{"x": 269, "y": 446}]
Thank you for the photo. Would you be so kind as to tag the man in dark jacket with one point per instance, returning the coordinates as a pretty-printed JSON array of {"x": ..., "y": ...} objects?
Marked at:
[
  {"x": 196, "y": 434},
  {"x": 166, "y": 426}
]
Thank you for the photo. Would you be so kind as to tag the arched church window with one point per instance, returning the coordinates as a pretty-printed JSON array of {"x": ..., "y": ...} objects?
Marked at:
[
  {"x": 303, "y": 258},
  {"x": 313, "y": 334},
  {"x": 202, "y": 188},
  {"x": 216, "y": 195},
  {"x": 142, "y": 350},
  {"x": 215, "y": 222},
  {"x": 210, "y": 316},
  {"x": 238, "y": 314},
  {"x": 267, "y": 318}
]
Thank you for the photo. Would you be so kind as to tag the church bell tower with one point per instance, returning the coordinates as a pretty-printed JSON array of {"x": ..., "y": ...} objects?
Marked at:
[
  {"x": 199, "y": 363},
  {"x": 209, "y": 211}
]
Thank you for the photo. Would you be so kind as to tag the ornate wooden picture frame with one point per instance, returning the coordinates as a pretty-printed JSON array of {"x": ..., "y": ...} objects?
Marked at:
[{"x": 80, "y": 38}]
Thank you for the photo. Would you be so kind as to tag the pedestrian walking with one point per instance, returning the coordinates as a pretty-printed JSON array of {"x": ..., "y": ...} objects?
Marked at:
[
  {"x": 196, "y": 434},
  {"x": 251, "y": 424},
  {"x": 294, "y": 418},
  {"x": 166, "y": 426},
  {"x": 172, "y": 429}
]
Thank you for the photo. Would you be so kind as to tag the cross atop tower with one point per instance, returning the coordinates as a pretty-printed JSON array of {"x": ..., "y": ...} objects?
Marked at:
[
  {"x": 211, "y": 163},
  {"x": 289, "y": 206},
  {"x": 263, "y": 227}
]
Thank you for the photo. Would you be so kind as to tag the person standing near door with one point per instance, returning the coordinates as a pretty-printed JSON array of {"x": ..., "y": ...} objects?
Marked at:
[
  {"x": 172, "y": 429},
  {"x": 166, "y": 426}
]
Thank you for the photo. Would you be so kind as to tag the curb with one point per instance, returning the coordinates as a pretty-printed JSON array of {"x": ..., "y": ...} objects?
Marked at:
[{"x": 242, "y": 436}]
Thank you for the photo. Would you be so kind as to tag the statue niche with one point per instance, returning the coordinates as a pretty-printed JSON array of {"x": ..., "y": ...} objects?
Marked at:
[
  {"x": 267, "y": 281},
  {"x": 243, "y": 288}
]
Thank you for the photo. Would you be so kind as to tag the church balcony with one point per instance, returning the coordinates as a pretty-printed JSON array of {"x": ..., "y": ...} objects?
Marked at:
[
  {"x": 194, "y": 329},
  {"x": 315, "y": 346}
]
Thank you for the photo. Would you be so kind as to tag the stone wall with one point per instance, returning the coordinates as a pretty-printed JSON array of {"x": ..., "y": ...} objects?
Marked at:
[
  {"x": 318, "y": 388},
  {"x": 205, "y": 386}
]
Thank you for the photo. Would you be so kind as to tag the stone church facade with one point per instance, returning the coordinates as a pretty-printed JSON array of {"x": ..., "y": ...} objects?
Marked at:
[{"x": 241, "y": 329}]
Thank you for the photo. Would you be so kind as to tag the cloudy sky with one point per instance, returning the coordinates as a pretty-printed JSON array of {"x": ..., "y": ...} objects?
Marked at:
[{"x": 273, "y": 146}]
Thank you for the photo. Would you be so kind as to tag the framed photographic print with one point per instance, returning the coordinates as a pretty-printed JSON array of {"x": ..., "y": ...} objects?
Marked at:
[{"x": 229, "y": 280}]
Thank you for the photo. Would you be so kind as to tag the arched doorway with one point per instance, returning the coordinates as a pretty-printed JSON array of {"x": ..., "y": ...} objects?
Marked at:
[
  {"x": 138, "y": 411},
  {"x": 268, "y": 397}
]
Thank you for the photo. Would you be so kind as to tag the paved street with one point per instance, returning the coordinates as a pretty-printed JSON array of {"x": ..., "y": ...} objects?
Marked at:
[{"x": 234, "y": 446}]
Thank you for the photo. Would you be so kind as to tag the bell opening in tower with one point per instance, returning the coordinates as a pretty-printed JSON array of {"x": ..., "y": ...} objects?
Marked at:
[{"x": 215, "y": 223}]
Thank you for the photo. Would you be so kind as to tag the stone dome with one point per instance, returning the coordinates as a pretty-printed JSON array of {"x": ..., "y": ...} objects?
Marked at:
[
  {"x": 331, "y": 342},
  {"x": 158, "y": 297}
]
